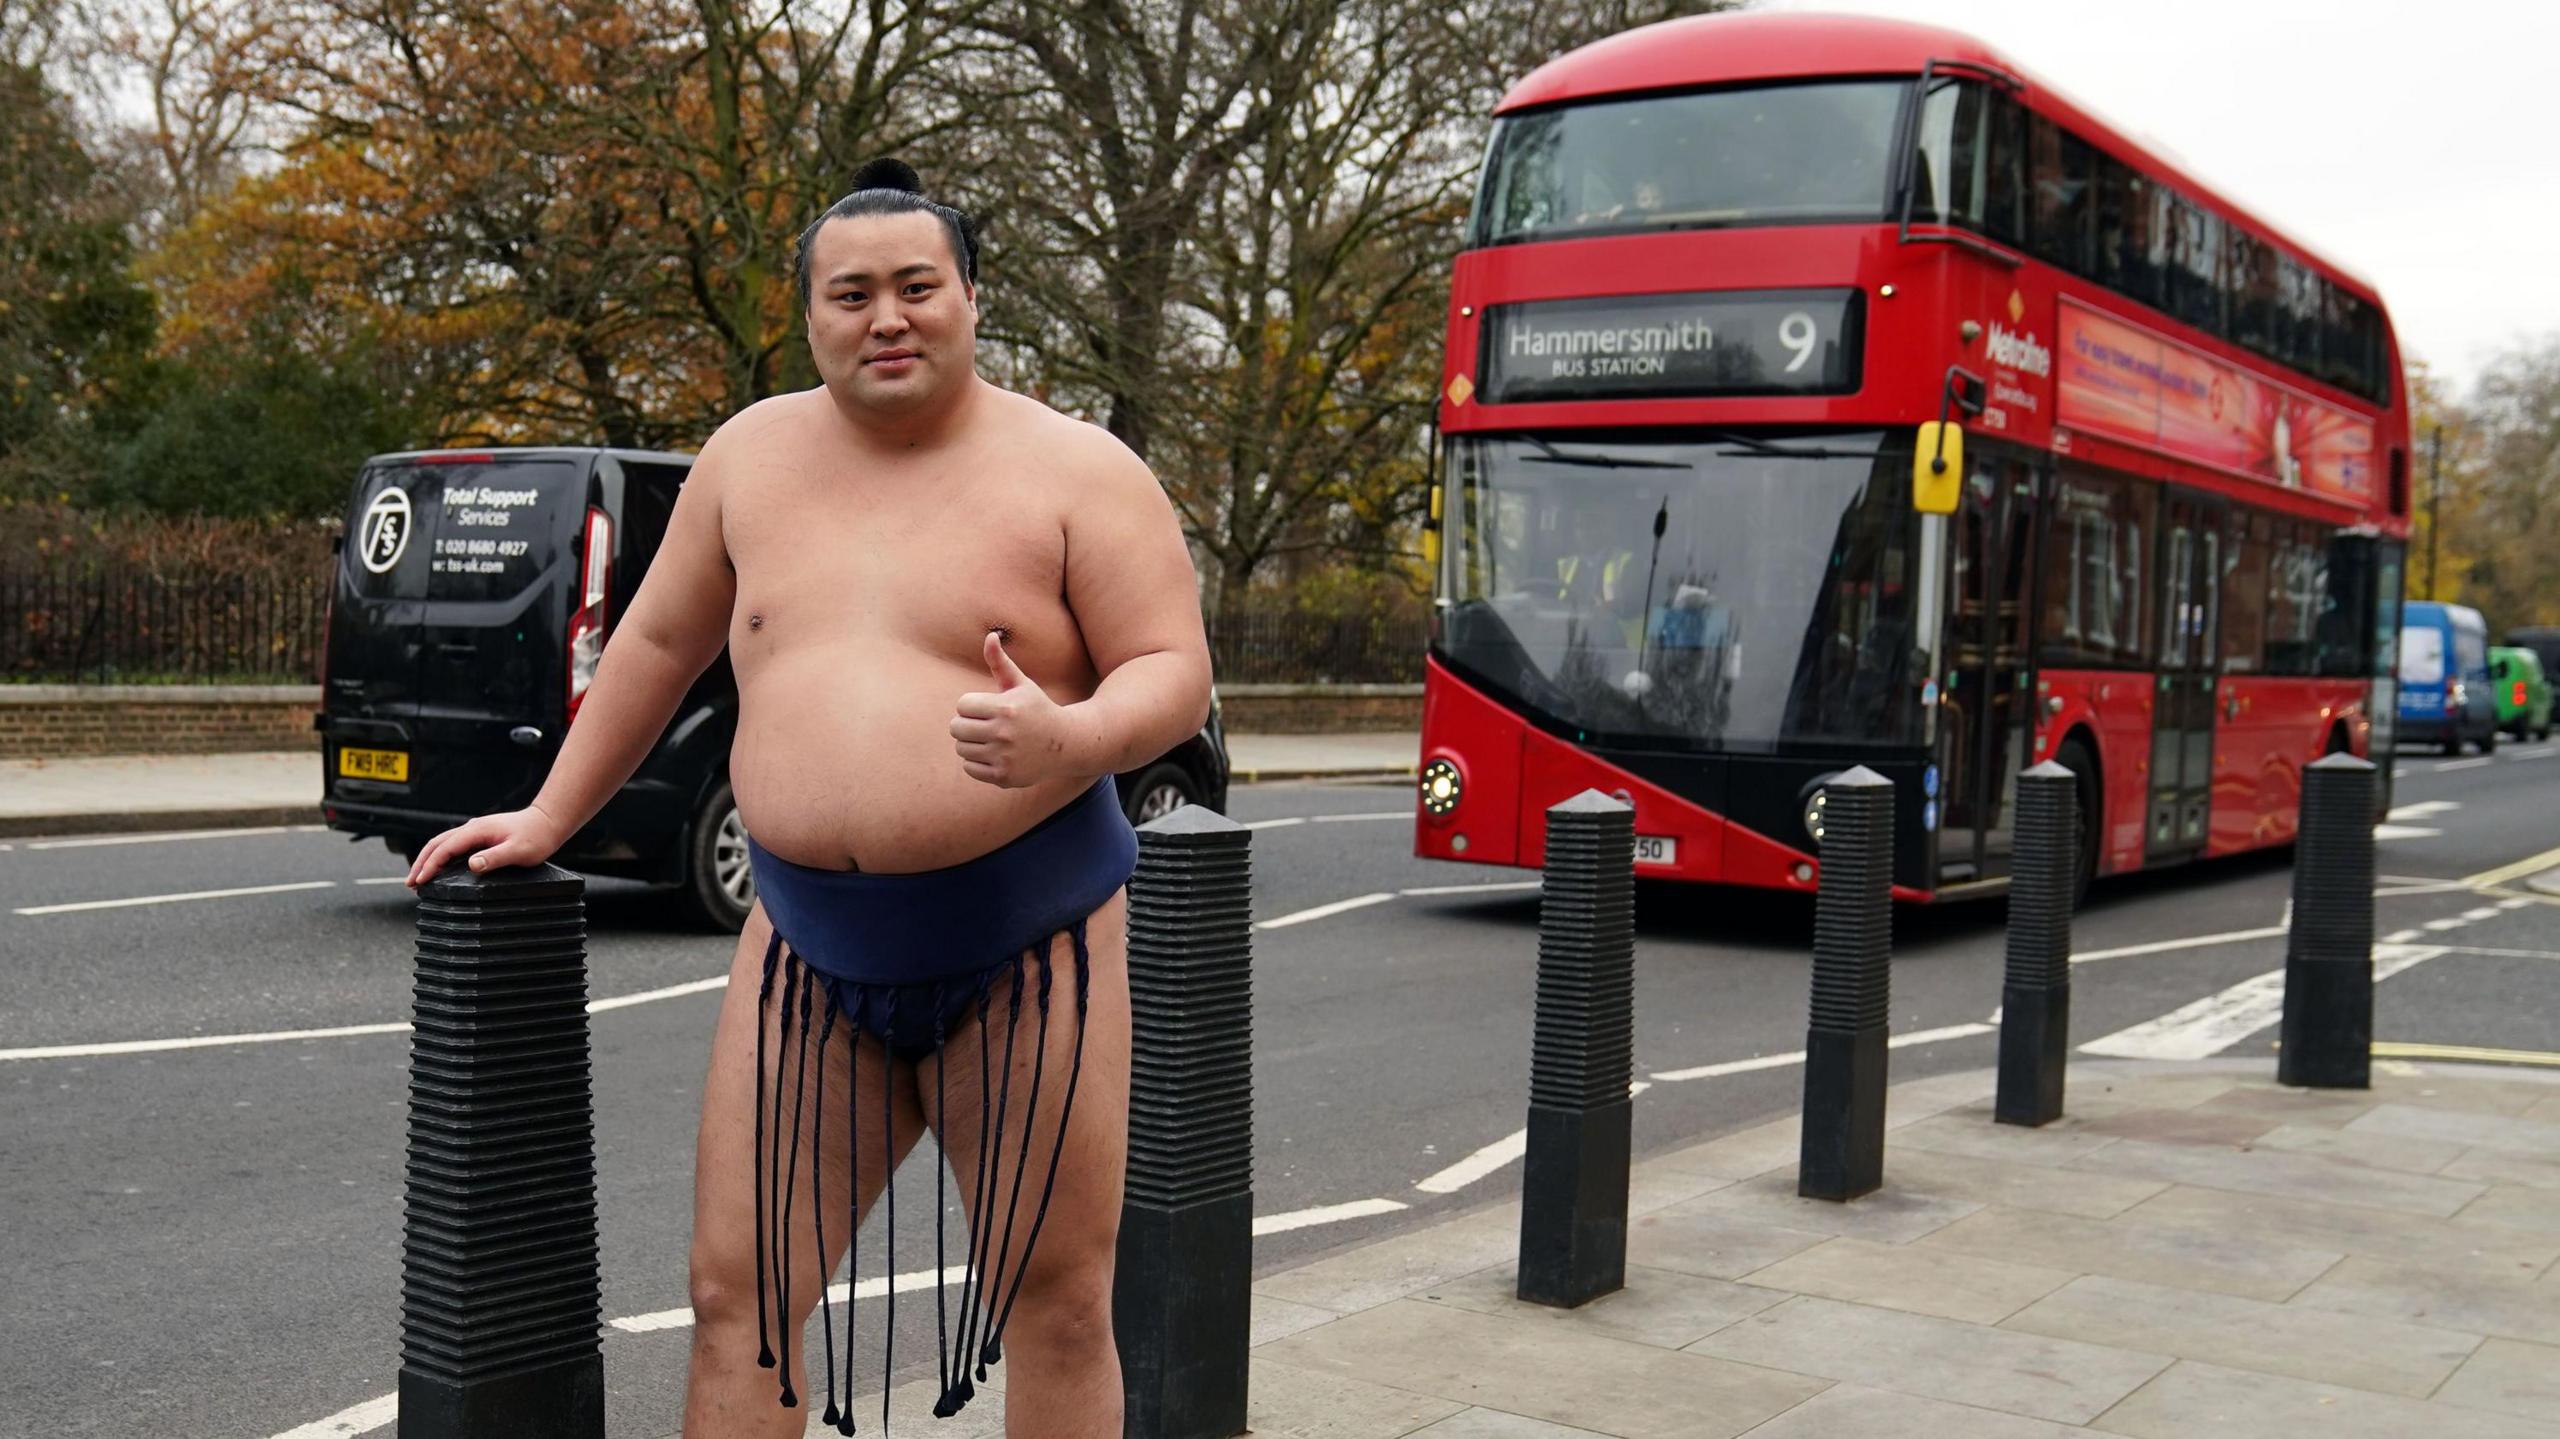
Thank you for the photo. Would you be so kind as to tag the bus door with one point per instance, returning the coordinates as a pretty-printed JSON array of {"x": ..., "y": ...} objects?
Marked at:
[
  {"x": 2182, "y": 708},
  {"x": 1986, "y": 716}
]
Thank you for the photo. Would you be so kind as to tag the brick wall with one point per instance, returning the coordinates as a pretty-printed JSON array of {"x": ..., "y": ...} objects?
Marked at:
[
  {"x": 1321, "y": 709},
  {"x": 72, "y": 721}
]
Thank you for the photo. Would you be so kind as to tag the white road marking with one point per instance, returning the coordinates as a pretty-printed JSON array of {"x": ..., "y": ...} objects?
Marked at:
[
  {"x": 363, "y": 1418},
  {"x": 2441, "y": 925},
  {"x": 1325, "y": 911},
  {"x": 2486, "y": 911},
  {"x": 2404, "y": 889},
  {"x": 2423, "y": 808},
  {"x": 386, "y": 879},
  {"x": 2518, "y": 902},
  {"x": 2402, "y": 936},
  {"x": 178, "y": 898},
  {"x": 344, "y": 1031},
  {"x": 2454, "y": 764},
  {"x": 2218, "y": 1021},
  {"x": 1357, "y": 818},
  {"x": 2503, "y": 953},
  {"x": 1781, "y": 1061},
  {"x": 1277, "y": 823},
  {"x": 2403, "y": 831},
  {"x": 1504, "y": 887},
  {"x": 2399, "y": 772},
  {"x": 1329, "y": 1214},
  {"x": 1476, "y": 1166},
  {"x": 2536, "y": 753},
  {"x": 2164, "y": 946},
  {"x": 838, "y": 1293},
  {"x": 93, "y": 841},
  {"x": 2532, "y": 864}
]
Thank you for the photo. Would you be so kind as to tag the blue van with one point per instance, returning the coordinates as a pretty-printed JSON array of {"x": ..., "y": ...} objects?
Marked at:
[{"x": 2444, "y": 677}]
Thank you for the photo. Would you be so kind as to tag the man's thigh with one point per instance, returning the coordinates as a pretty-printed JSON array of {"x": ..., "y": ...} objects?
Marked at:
[
  {"x": 1001, "y": 1140},
  {"x": 781, "y": 1105}
]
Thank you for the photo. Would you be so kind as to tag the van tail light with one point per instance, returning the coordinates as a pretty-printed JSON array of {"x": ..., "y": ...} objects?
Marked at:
[
  {"x": 2518, "y": 701},
  {"x": 587, "y": 624},
  {"x": 328, "y": 628}
]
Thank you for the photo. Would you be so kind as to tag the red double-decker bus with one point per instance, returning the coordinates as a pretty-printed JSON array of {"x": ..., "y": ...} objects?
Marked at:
[{"x": 1825, "y": 391}]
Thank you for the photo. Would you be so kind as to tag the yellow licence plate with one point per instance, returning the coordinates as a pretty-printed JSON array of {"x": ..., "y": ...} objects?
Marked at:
[{"x": 391, "y": 765}]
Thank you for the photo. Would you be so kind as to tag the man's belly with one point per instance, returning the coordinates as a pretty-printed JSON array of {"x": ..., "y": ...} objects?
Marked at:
[{"x": 844, "y": 757}]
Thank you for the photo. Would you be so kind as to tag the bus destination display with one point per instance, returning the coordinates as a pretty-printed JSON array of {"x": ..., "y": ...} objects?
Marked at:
[{"x": 1733, "y": 342}]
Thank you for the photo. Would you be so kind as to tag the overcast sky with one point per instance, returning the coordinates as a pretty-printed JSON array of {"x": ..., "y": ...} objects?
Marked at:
[{"x": 2416, "y": 143}]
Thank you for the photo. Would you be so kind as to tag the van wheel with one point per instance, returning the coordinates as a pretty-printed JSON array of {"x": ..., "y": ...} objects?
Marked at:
[
  {"x": 1161, "y": 790},
  {"x": 2489, "y": 740},
  {"x": 718, "y": 889},
  {"x": 2453, "y": 741}
]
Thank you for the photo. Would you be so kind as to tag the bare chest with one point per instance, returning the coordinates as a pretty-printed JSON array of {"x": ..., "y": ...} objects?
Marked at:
[{"x": 925, "y": 562}]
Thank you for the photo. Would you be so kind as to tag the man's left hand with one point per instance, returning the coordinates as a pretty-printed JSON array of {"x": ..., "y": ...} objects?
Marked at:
[{"x": 1016, "y": 737}]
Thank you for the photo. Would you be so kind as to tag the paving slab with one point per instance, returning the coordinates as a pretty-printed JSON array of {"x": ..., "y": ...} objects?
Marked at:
[
  {"x": 2351, "y": 1229},
  {"x": 2357, "y": 1351},
  {"x": 1971, "y": 1130},
  {"x": 2484, "y": 1131},
  {"x": 1891, "y": 1215},
  {"x": 1283, "y": 1401},
  {"x": 2508, "y": 1308},
  {"x": 2470, "y": 1093},
  {"x": 1848, "y": 1409},
  {"x": 2043, "y": 1378},
  {"x": 1714, "y": 1245},
  {"x": 2542, "y": 1111},
  {"x": 2203, "y": 1401},
  {"x": 1913, "y": 1279},
  {"x": 1546, "y": 1372},
  {"x": 1659, "y": 1307},
  {"x": 2213, "y": 1261},
  {"x": 2496, "y": 1166},
  {"x": 2327, "y": 1108},
  {"x": 2374, "y": 1151},
  {"x": 2021, "y": 1186},
  {"x": 2179, "y": 1126},
  {"x": 2155, "y": 1089},
  {"x": 2518, "y": 1207},
  {"x": 1753, "y": 1151},
  {"x": 2508, "y": 1376},
  {"x": 1494, "y": 1424},
  {"x": 1280, "y": 1318},
  {"x": 1392, "y": 1268},
  {"x": 2290, "y": 1176}
]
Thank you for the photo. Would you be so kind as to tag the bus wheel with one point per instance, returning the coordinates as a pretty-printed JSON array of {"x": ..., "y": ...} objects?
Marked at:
[
  {"x": 718, "y": 889},
  {"x": 2075, "y": 757}
]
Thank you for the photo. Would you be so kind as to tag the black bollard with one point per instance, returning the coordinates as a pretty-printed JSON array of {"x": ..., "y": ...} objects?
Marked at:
[
  {"x": 2327, "y": 1037},
  {"x": 1573, "y": 1200},
  {"x": 1842, "y": 1155},
  {"x": 500, "y": 1313},
  {"x": 1182, "y": 1303},
  {"x": 2035, "y": 999}
]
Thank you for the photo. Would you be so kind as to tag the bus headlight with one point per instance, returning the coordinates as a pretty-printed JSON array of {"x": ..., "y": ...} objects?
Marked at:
[
  {"x": 1813, "y": 808},
  {"x": 1441, "y": 788}
]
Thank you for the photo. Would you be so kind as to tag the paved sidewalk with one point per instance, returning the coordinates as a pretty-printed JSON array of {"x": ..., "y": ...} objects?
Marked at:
[
  {"x": 87, "y": 796},
  {"x": 2193, "y": 1253}
]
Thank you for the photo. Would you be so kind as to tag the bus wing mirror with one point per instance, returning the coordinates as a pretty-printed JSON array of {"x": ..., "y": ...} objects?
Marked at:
[{"x": 1937, "y": 468}]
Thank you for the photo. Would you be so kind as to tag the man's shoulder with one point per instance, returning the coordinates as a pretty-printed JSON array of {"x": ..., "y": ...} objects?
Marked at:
[
  {"x": 1071, "y": 448},
  {"x": 765, "y": 417}
]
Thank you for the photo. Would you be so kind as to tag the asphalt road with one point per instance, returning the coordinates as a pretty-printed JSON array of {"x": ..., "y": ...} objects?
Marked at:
[{"x": 205, "y": 1240}]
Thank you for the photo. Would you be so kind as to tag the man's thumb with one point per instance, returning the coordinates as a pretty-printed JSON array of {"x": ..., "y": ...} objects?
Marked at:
[{"x": 1000, "y": 664}]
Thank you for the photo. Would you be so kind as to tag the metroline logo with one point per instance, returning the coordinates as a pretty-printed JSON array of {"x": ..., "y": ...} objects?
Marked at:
[{"x": 2019, "y": 352}]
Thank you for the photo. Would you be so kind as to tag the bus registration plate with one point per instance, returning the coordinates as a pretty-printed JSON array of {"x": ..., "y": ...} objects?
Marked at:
[{"x": 1657, "y": 849}]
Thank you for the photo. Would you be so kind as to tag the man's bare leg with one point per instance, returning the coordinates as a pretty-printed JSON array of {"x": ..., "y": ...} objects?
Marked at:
[
  {"x": 1061, "y": 1367},
  {"x": 727, "y": 1396}
]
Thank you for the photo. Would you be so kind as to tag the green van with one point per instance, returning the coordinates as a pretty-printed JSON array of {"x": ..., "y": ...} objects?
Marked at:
[{"x": 2522, "y": 692}]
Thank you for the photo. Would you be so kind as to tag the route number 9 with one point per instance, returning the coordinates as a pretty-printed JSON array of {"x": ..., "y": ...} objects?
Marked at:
[{"x": 1798, "y": 333}]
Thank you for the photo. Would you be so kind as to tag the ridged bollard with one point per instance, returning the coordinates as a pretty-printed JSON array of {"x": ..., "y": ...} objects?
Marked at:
[
  {"x": 2035, "y": 997},
  {"x": 1573, "y": 1201},
  {"x": 500, "y": 1313},
  {"x": 1842, "y": 1155},
  {"x": 1182, "y": 1303},
  {"x": 2327, "y": 1038}
]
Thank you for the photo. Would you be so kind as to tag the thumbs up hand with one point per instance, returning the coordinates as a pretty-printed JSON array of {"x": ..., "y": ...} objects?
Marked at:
[{"x": 1015, "y": 737}]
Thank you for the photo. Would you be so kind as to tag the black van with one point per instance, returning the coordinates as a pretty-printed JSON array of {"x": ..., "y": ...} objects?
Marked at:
[{"x": 471, "y": 599}]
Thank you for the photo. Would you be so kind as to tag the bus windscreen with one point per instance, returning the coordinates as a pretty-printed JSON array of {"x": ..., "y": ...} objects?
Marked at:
[
  {"x": 1763, "y": 155},
  {"x": 1704, "y": 592}
]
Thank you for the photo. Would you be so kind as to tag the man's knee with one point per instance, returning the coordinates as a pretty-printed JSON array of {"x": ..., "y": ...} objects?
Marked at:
[
  {"x": 722, "y": 1282},
  {"x": 1064, "y": 1312}
]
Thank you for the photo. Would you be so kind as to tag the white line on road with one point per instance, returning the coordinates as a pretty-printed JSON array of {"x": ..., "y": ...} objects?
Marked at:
[
  {"x": 2163, "y": 946},
  {"x": 2404, "y": 831},
  {"x": 2503, "y": 953},
  {"x": 840, "y": 1293},
  {"x": 2441, "y": 925},
  {"x": 1329, "y": 1214},
  {"x": 2536, "y": 753},
  {"x": 2218, "y": 1021},
  {"x": 2438, "y": 886},
  {"x": 1504, "y": 887},
  {"x": 2486, "y": 911},
  {"x": 1277, "y": 823},
  {"x": 2519, "y": 902},
  {"x": 178, "y": 898},
  {"x": 1357, "y": 818},
  {"x": 386, "y": 879},
  {"x": 2454, "y": 764},
  {"x": 1325, "y": 911},
  {"x": 363, "y": 1418},
  {"x": 2422, "y": 809},
  {"x": 344, "y": 1031},
  {"x": 93, "y": 841},
  {"x": 1477, "y": 1165},
  {"x": 2533, "y": 864},
  {"x": 1781, "y": 1061}
]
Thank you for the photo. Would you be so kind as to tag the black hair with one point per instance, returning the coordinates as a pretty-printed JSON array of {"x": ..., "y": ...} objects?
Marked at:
[{"x": 890, "y": 187}]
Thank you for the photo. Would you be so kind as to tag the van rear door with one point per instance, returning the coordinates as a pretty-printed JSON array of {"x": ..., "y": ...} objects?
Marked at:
[{"x": 492, "y": 661}]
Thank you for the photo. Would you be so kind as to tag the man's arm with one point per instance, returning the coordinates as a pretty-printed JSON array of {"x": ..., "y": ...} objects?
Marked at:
[
  {"x": 675, "y": 627},
  {"x": 1134, "y": 595}
]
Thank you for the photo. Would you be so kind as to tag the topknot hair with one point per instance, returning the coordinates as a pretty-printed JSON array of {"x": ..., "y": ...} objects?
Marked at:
[{"x": 890, "y": 186}]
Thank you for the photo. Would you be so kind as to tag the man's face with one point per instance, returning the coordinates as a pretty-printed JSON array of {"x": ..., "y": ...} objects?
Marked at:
[{"x": 892, "y": 325}]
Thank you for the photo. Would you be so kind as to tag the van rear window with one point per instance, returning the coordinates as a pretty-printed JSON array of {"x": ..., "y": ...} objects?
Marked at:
[
  {"x": 472, "y": 530},
  {"x": 2421, "y": 656}
]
